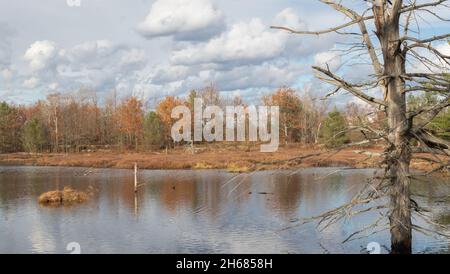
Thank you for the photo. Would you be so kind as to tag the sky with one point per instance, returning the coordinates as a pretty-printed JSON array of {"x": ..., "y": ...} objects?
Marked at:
[{"x": 152, "y": 49}]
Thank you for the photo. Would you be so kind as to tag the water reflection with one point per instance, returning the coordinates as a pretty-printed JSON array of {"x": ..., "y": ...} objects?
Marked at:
[{"x": 194, "y": 211}]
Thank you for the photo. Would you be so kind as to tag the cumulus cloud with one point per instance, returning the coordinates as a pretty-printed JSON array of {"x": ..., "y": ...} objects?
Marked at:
[
  {"x": 245, "y": 56},
  {"x": 248, "y": 57},
  {"x": 289, "y": 18},
  {"x": 169, "y": 73},
  {"x": 182, "y": 19},
  {"x": 244, "y": 42},
  {"x": 266, "y": 75},
  {"x": 5, "y": 52},
  {"x": 53, "y": 86},
  {"x": 89, "y": 51},
  {"x": 209, "y": 41},
  {"x": 177, "y": 80},
  {"x": 31, "y": 83},
  {"x": 40, "y": 55},
  {"x": 132, "y": 57},
  {"x": 332, "y": 59},
  {"x": 7, "y": 74},
  {"x": 444, "y": 49},
  {"x": 253, "y": 42},
  {"x": 99, "y": 64},
  {"x": 418, "y": 66}
]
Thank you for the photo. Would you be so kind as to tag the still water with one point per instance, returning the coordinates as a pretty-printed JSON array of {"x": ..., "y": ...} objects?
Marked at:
[{"x": 197, "y": 211}]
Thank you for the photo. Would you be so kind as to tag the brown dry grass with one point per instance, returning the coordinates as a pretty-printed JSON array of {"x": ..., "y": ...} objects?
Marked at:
[
  {"x": 239, "y": 168},
  {"x": 203, "y": 165},
  {"x": 235, "y": 158},
  {"x": 67, "y": 196}
]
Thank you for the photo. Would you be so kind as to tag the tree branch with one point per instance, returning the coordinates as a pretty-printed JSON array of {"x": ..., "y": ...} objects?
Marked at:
[{"x": 339, "y": 82}]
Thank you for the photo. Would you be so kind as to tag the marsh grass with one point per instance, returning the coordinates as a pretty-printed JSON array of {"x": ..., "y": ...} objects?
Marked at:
[
  {"x": 238, "y": 168},
  {"x": 203, "y": 165},
  {"x": 67, "y": 196}
]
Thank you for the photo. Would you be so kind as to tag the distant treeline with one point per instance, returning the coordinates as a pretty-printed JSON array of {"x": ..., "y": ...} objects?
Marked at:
[{"x": 75, "y": 123}]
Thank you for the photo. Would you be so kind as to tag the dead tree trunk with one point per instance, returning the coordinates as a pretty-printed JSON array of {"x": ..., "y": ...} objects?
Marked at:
[
  {"x": 398, "y": 159},
  {"x": 394, "y": 81},
  {"x": 398, "y": 154}
]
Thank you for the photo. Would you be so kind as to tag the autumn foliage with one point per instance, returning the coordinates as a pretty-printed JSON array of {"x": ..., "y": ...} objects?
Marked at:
[
  {"x": 164, "y": 112},
  {"x": 77, "y": 122},
  {"x": 130, "y": 116}
]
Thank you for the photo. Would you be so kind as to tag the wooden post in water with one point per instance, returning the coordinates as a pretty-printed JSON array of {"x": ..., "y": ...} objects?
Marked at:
[
  {"x": 135, "y": 178},
  {"x": 135, "y": 189}
]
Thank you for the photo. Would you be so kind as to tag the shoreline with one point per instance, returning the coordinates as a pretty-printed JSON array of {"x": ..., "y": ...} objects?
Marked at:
[{"x": 237, "y": 159}]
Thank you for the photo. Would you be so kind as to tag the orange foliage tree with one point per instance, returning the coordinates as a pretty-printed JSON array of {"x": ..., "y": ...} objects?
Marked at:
[
  {"x": 290, "y": 112},
  {"x": 164, "y": 111},
  {"x": 130, "y": 115}
]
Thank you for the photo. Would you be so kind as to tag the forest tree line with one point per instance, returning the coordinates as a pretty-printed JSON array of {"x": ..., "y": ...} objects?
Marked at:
[{"x": 77, "y": 122}]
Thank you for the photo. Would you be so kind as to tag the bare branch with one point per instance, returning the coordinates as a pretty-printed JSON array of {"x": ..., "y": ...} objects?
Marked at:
[
  {"x": 434, "y": 110},
  {"x": 339, "y": 82},
  {"x": 319, "y": 32},
  {"x": 414, "y": 6},
  {"x": 428, "y": 40}
]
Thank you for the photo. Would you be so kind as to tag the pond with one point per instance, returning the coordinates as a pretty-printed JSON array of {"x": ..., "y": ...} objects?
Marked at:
[{"x": 207, "y": 211}]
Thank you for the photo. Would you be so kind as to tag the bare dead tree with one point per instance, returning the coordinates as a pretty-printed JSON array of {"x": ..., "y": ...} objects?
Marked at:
[{"x": 391, "y": 50}]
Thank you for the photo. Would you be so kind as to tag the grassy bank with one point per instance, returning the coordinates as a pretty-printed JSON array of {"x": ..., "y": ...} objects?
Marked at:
[{"x": 235, "y": 159}]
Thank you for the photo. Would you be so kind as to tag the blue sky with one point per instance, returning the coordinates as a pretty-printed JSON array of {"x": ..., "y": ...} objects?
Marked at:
[{"x": 167, "y": 47}]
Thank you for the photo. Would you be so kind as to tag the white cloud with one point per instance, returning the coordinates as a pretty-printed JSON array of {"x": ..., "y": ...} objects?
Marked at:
[
  {"x": 253, "y": 42},
  {"x": 166, "y": 74},
  {"x": 418, "y": 66},
  {"x": 101, "y": 55},
  {"x": 31, "y": 83},
  {"x": 40, "y": 54},
  {"x": 53, "y": 86},
  {"x": 185, "y": 19},
  {"x": 289, "y": 18},
  {"x": 7, "y": 74},
  {"x": 132, "y": 57},
  {"x": 88, "y": 52},
  {"x": 269, "y": 75},
  {"x": 273, "y": 58},
  {"x": 99, "y": 64},
  {"x": 444, "y": 49},
  {"x": 244, "y": 42},
  {"x": 248, "y": 56},
  {"x": 332, "y": 59},
  {"x": 6, "y": 71}
]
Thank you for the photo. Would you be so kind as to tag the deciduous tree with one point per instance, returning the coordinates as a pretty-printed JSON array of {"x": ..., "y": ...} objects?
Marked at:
[
  {"x": 164, "y": 111},
  {"x": 34, "y": 135},
  {"x": 130, "y": 115},
  {"x": 291, "y": 111}
]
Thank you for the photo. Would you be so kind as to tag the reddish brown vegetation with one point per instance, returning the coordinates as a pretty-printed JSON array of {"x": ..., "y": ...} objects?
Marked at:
[
  {"x": 233, "y": 158},
  {"x": 67, "y": 196}
]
